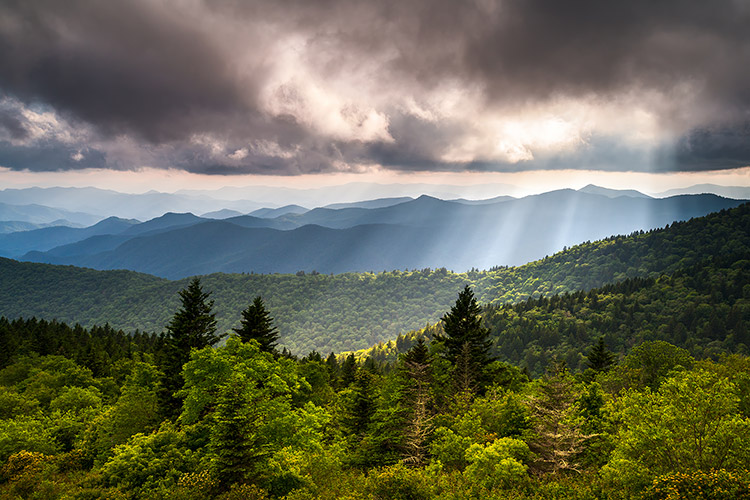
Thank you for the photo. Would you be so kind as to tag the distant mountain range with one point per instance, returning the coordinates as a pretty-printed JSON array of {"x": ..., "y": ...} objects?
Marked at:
[
  {"x": 92, "y": 204},
  {"x": 374, "y": 236},
  {"x": 112, "y": 203},
  {"x": 735, "y": 192},
  {"x": 35, "y": 216},
  {"x": 356, "y": 310}
]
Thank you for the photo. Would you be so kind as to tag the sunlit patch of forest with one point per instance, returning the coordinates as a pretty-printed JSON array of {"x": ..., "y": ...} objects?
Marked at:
[
  {"x": 637, "y": 388},
  {"x": 95, "y": 413}
]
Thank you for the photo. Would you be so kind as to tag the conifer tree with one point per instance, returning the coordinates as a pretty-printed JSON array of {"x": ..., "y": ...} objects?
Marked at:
[
  {"x": 419, "y": 354},
  {"x": 362, "y": 403},
  {"x": 257, "y": 324},
  {"x": 192, "y": 327},
  {"x": 234, "y": 435},
  {"x": 348, "y": 371},
  {"x": 463, "y": 325},
  {"x": 559, "y": 438},
  {"x": 600, "y": 358},
  {"x": 333, "y": 369},
  {"x": 417, "y": 395}
]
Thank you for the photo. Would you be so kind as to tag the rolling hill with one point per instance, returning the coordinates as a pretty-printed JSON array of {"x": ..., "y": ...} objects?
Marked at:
[{"x": 356, "y": 310}]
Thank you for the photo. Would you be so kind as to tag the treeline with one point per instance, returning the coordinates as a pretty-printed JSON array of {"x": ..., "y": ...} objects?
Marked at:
[
  {"x": 704, "y": 308},
  {"x": 97, "y": 348},
  {"x": 313, "y": 311},
  {"x": 357, "y": 310},
  {"x": 445, "y": 420}
]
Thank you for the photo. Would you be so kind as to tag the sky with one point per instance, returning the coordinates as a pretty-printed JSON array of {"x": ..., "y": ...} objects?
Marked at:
[{"x": 167, "y": 95}]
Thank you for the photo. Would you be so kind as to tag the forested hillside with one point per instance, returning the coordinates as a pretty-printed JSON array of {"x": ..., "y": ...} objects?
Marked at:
[
  {"x": 704, "y": 308},
  {"x": 356, "y": 310},
  {"x": 99, "y": 414},
  {"x": 313, "y": 311}
]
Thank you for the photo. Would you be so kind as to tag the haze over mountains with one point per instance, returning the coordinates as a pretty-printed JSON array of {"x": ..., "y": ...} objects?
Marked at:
[
  {"x": 369, "y": 235},
  {"x": 89, "y": 205},
  {"x": 357, "y": 310}
]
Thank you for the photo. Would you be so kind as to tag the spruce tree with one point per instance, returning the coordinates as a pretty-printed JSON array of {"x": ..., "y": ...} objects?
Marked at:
[
  {"x": 558, "y": 438},
  {"x": 417, "y": 400},
  {"x": 348, "y": 371},
  {"x": 192, "y": 327},
  {"x": 419, "y": 353},
  {"x": 600, "y": 359},
  {"x": 463, "y": 325},
  {"x": 234, "y": 440},
  {"x": 257, "y": 324}
]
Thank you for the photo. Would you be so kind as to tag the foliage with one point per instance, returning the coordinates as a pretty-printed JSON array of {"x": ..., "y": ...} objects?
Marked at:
[
  {"x": 667, "y": 417},
  {"x": 398, "y": 482},
  {"x": 499, "y": 464},
  {"x": 355, "y": 310},
  {"x": 690, "y": 423},
  {"x": 150, "y": 461},
  {"x": 700, "y": 485},
  {"x": 257, "y": 324}
]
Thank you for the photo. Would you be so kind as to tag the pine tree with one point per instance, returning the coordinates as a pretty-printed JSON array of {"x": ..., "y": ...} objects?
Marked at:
[
  {"x": 234, "y": 435},
  {"x": 257, "y": 324},
  {"x": 348, "y": 371},
  {"x": 463, "y": 325},
  {"x": 559, "y": 439},
  {"x": 192, "y": 327},
  {"x": 417, "y": 397},
  {"x": 600, "y": 358},
  {"x": 362, "y": 403}
]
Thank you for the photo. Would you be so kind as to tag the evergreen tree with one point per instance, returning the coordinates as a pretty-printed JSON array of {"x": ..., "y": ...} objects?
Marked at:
[
  {"x": 558, "y": 438},
  {"x": 463, "y": 325},
  {"x": 361, "y": 405},
  {"x": 348, "y": 371},
  {"x": 192, "y": 327},
  {"x": 332, "y": 365},
  {"x": 234, "y": 436},
  {"x": 600, "y": 359},
  {"x": 419, "y": 354},
  {"x": 417, "y": 397},
  {"x": 257, "y": 324}
]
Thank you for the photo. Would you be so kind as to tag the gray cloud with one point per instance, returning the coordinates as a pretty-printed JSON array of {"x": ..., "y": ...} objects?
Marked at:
[{"x": 293, "y": 86}]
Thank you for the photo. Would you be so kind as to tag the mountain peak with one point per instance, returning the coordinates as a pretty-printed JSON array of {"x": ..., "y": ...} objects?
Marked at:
[{"x": 611, "y": 193}]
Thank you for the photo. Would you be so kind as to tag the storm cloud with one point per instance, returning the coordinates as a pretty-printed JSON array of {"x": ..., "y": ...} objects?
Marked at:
[{"x": 293, "y": 86}]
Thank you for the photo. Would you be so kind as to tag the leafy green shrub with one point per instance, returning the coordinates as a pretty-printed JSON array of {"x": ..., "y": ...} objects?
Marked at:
[
  {"x": 399, "y": 482},
  {"x": 700, "y": 485},
  {"x": 25, "y": 433},
  {"x": 150, "y": 461},
  {"x": 498, "y": 464},
  {"x": 21, "y": 463},
  {"x": 449, "y": 448}
]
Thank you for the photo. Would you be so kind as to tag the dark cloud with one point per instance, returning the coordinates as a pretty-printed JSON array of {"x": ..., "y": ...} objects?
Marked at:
[
  {"x": 536, "y": 49},
  {"x": 710, "y": 148},
  {"x": 12, "y": 125},
  {"x": 52, "y": 157},
  {"x": 124, "y": 67},
  {"x": 186, "y": 84}
]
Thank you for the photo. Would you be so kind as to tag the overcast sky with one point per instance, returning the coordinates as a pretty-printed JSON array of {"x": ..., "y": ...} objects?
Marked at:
[{"x": 298, "y": 87}]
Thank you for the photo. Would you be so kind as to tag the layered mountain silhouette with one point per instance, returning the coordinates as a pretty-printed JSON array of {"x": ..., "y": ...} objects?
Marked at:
[{"x": 417, "y": 233}]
